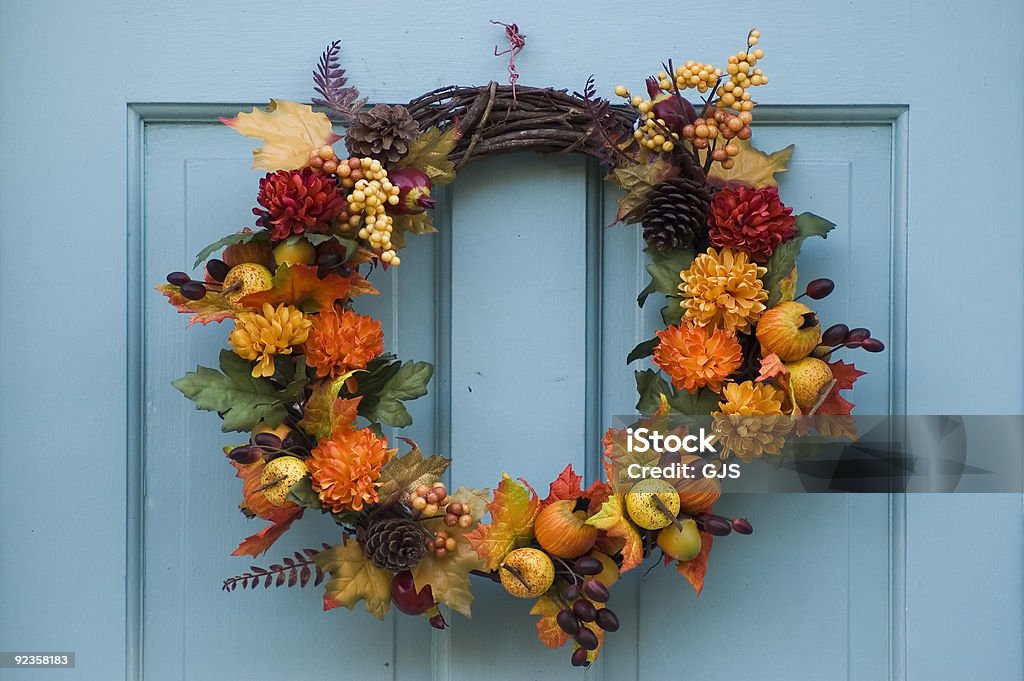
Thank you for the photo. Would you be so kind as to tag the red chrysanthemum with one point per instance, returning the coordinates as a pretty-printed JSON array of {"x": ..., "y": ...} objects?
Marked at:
[
  {"x": 298, "y": 201},
  {"x": 751, "y": 220}
]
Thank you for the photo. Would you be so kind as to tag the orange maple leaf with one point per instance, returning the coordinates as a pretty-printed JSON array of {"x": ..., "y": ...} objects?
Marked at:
[
  {"x": 771, "y": 366},
  {"x": 567, "y": 487},
  {"x": 210, "y": 308},
  {"x": 548, "y": 631},
  {"x": 513, "y": 510},
  {"x": 695, "y": 569},
  {"x": 261, "y": 541},
  {"x": 299, "y": 285}
]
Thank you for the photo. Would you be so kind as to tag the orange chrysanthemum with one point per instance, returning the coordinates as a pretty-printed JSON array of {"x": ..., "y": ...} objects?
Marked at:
[
  {"x": 342, "y": 341},
  {"x": 695, "y": 357},
  {"x": 345, "y": 469},
  {"x": 723, "y": 289},
  {"x": 751, "y": 423}
]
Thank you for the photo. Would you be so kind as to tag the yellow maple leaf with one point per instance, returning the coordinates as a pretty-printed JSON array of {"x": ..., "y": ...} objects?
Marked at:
[
  {"x": 753, "y": 166},
  {"x": 448, "y": 577},
  {"x": 548, "y": 630},
  {"x": 610, "y": 519},
  {"x": 354, "y": 578},
  {"x": 289, "y": 130},
  {"x": 430, "y": 151}
]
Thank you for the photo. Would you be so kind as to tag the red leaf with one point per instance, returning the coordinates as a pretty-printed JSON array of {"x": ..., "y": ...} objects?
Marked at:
[
  {"x": 548, "y": 631},
  {"x": 299, "y": 285},
  {"x": 567, "y": 487},
  {"x": 695, "y": 569},
  {"x": 261, "y": 541},
  {"x": 845, "y": 376}
]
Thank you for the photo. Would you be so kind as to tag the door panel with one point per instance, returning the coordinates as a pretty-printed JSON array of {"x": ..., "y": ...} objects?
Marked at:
[{"x": 525, "y": 299}]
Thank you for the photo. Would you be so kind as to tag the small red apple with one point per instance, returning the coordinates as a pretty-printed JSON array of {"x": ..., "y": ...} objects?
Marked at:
[
  {"x": 562, "y": 531},
  {"x": 406, "y": 598}
]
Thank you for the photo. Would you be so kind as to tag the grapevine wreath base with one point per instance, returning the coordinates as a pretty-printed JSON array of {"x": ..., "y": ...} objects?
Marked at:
[{"x": 308, "y": 383}]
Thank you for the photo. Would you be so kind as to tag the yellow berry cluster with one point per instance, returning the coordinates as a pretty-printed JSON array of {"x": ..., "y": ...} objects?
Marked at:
[
  {"x": 324, "y": 159},
  {"x": 371, "y": 194},
  {"x": 734, "y": 93},
  {"x": 441, "y": 544},
  {"x": 428, "y": 500},
  {"x": 652, "y": 132},
  {"x": 692, "y": 74}
]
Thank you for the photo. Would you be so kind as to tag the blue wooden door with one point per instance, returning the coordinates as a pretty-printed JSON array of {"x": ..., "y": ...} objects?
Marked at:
[{"x": 117, "y": 510}]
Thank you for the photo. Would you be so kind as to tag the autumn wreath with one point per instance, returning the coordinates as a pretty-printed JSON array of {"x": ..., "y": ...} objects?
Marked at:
[{"x": 307, "y": 379}]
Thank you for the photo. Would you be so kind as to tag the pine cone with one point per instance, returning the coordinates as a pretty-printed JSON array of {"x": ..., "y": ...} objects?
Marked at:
[
  {"x": 395, "y": 544},
  {"x": 676, "y": 214},
  {"x": 384, "y": 132}
]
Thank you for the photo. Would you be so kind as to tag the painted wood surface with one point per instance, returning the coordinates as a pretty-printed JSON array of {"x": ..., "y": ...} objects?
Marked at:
[{"x": 116, "y": 506}]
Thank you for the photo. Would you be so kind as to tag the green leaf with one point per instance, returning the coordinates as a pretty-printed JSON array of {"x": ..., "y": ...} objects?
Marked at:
[
  {"x": 430, "y": 151},
  {"x": 642, "y": 298},
  {"x": 672, "y": 314},
  {"x": 302, "y": 494},
  {"x": 643, "y": 349},
  {"x": 784, "y": 257},
  {"x": 404, "y": 382},
  {"x": 651, "y": 386},
  {"x": 406, "y": 472},
  {"x": 809, "y": 224},
  {"x": 701, "y": 404},
  {"x": 241, "y": 400},
  {"x": 237, "y": 238},
  {"x": 666, "y": 266},
  {"x": 349, "y": 244}
]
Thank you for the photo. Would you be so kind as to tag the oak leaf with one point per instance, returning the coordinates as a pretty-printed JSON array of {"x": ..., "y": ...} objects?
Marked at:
[
  {"x": 695, "y": 569},
  {"x": 513, "y": 510},
  {"x": 354, "y": 578},
  {"x": 752, "y": 166},
  {"x": 300, "y": 286},
  {"x": 611, "y": 519},
  {"x": 430, "y": 151},
  {"x": 212, "y": 307},
  {"x": 289, "y": 131}
]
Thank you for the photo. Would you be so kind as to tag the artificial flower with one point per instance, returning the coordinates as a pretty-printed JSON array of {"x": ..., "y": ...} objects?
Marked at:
[
  {"x": 261, "y": 335},
  {"x": 751, "y": 220},
  {"x": 695, "y": 357},
  {"x": 751, "y": 422},
  {"x": 346, "y": 467},
  {"x": 340, "y": 341},
  {"x": 298, "y": 201},
  {"x": 723, "y": 289}
]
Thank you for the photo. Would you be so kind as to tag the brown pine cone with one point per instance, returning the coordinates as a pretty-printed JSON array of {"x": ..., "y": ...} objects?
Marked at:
[
  {"x": 676, "y": 214},
  {"x": 395, "y": 544},
  {"x": 384, "y": 132}
]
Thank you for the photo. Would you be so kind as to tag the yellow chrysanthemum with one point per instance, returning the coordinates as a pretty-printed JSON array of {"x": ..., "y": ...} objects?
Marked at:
[
  {"x": 696, "y": 357},
  {"x": 751, "y": 423},
  {"x": 261, "y": 335},
  {"x": 723, "y": 289}
]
